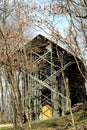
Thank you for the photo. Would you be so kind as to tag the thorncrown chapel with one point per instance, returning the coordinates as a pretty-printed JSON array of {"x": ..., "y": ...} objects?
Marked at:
[{"x": 52, "y": 76}]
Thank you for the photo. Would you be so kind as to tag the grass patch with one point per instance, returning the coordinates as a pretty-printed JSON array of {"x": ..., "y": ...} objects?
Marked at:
[
  {"x": 6, "y": 129},
  {"x": 60, "y": 123},
  {"x": 64, "y": 122}
]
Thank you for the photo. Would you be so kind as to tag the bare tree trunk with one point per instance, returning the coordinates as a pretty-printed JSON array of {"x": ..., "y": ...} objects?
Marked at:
[
  {"x": 14, "y": 110},
  {"x": 2, "y": 101}
]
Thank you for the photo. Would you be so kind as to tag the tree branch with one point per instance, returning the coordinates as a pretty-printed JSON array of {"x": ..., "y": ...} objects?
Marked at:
[{"x": 83, "y": 17}]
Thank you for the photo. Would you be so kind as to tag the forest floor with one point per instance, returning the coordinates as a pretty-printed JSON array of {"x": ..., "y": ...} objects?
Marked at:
[
  {"x": 63, "y": 123},
  {"x": 6, "y": 125},
  {"x": 59, "y": 123}
]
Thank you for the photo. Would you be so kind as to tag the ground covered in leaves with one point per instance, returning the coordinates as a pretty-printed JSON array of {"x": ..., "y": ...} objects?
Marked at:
[
  {"x": 60, "y": 123},
  {"x": 63, "y": 123}
]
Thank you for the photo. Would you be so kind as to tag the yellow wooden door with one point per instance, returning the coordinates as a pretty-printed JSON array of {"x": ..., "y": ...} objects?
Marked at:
[{"x": 46, "y": 112}]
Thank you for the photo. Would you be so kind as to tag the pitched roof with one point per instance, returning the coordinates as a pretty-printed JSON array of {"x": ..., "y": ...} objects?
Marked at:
[{"x": 64, "y": 45}]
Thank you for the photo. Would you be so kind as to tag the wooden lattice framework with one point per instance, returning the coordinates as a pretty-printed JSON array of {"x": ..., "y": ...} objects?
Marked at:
[{"x": 45, "y": 77}]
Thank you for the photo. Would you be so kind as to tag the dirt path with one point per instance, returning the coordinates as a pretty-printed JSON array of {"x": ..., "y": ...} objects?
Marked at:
[{"x": 6, "y": 125}]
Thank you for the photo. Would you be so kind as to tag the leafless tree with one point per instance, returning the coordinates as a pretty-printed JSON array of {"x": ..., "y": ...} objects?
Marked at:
[{"x": 16, "y": 17}]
